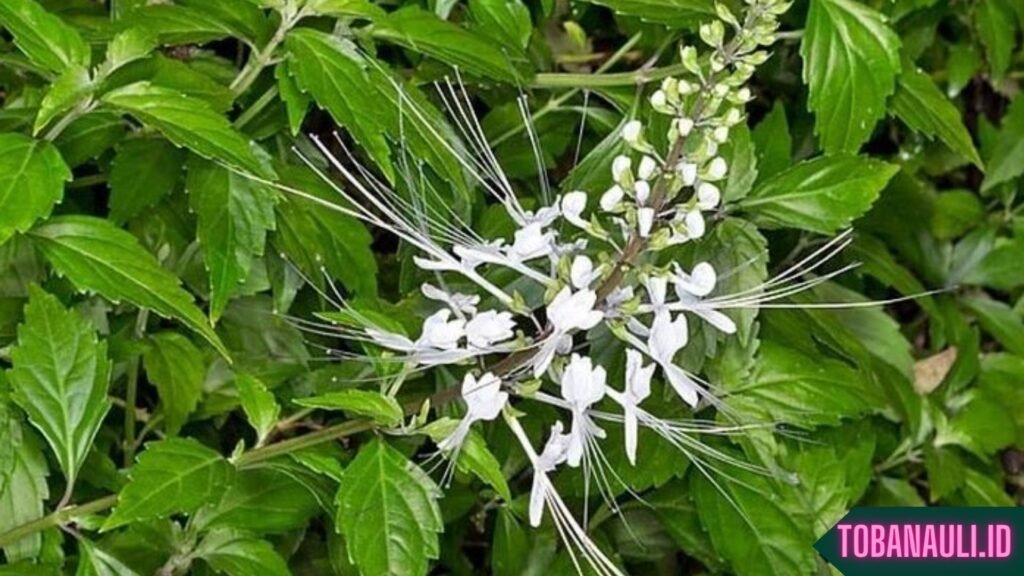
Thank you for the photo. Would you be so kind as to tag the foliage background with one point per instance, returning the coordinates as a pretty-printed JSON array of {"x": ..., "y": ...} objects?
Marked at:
[{"x": 134, "y": 264}]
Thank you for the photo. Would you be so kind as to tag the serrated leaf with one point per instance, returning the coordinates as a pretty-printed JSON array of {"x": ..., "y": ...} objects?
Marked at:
[
  {"x": 296, "y": 102},
  {"x": 89, "y": 136},
  {"x": 772, "y": 143},
  {"x": 70, "y": 88},
  {"x": 473, "y": 456},
  {"x": 258, "y": 403},
  {"x": 920, "y": 104},
  {"x": 746, "y": 508},
  {"x": 98, "y": 257},
  {"x": 388, "y": 512},
  {"x": 788, "y": 386},
  {"x": 999, "y": 320},
  {"x": 946, "y": 471},
  {"x": 510, "y": 548},
  {"x": 199, "y": 23},
  {"x": 191, "y": 123},
  {"x": 128, "y": 46},
  {"x": 143, "y": 172},
  {"x": 177, "y": 368},
  {"x": 980, "y": 490},
  {"x": 60, "y": 378},
  {"x": 46, "y": 39},
  {"x": 1007, "y": 157},
  {"x": 191, "y": 80},
  {"x": 674, "y": 507},
  {"x": 821, "y": 195},
  {"x": 172, "y": 476},
  {"x": 999, "y": 268},
  {"x": 25, "y": 492},
  {"x": 851, "y": 59},
  {"x": 424, "y": 32},
  {"x": 92, "y": 561},
  {"x": 674, "y": 13},
  {"x": 996, "y": 27},
  {"x": 361, "y": 96},
  {"x": 238, "y": 554},
  {"x": 32, "y": 177},
  {"x": 507, "y": 20},
  {"x": 385, "y": 410},
  {"x": 233, "y": 214},
  {"x": 263, "y": 500}
]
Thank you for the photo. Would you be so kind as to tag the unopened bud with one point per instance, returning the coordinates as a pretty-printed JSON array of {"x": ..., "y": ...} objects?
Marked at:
[
  {"x": 631, "y": 132},
  {"x": 647, "y": 168}
]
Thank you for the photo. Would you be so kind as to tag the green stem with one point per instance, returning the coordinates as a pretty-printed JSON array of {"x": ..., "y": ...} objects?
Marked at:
[
  {"x": 259, "y": 60},
  {"x": 635, "y": 78},
  {"x": 132, "y": 393},
  {"x": 246, "y": 116},
  {"x": 58, "y": 518}
]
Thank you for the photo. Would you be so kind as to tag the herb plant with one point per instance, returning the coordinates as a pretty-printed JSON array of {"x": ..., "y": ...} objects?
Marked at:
[{"x": 613, "y": 287}]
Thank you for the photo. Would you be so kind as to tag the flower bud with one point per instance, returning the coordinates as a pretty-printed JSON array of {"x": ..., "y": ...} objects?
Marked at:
[
  {"x": 708, "y": 196},
  {"x": 720, "y": 134},
  {"x": 610, "y": 200},
  {"x": 643, "y": 191},
  {"x": 621, "y": 169},
  {"x": 684, "y": 126},
  {"x": 647, "y": 168},
  {"x": 631, "y": 132},
  {"x": 688, "y": 173},
  {"x": 716, "y": 169},
  {"x": 645, "y": 220}
]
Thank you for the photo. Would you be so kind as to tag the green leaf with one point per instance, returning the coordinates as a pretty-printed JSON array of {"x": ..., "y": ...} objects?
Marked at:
[
  {"x": 999, "y": 268},
  {"x": 60, "y": 378},
  {"x": 191, "y": 123},
  {"x": 473, "y": 456},
  {"x": 98, "y": 257},
  {"x": 1007, "y": 159},
  {"x": 25, "y": 491},
  {"x": 980, "y": 490},
  {"x": 143, "y": 172},
  {"x": 506, "y": 20},
  {"x": 32, "y": 177},
  {"x": 384, "y": 410},
  {"x": 314, "y": 236},
  {"x": 821, "y": 195},
  {"x": 510, "y": 549},
  {"x": 234, "y": 214},
  {"x": 93, "y": 561},
  {"x": 788, "y": 386},
  {"x": 1000, "y": 379},
  {"x": 946, "y": 472},
  {"x": 172, "y": 476},
  {"x": 237, "y": 554},
  {"x": 747, "y": 508},
  {"x": 296, "y": 102},
  {"x": 999, "y": 320},
  {"x": 43, "y": 37},
  {"x": 996, "y": 26},
  {"x": 983, "y": 426},
  {"x": 263, "y": 500},
  {"x": 89, "y": 136},
  {"x": 258, "y": 403},
  {"x": 128, "y": 46},
  {"x": 851, "y": 59},
  {"x": 361, "y": 96},
  {"x": 70, "y": 88},
  {"x": 742, "y": 160},
  {"x": 675, "y": 508},
  {"x": 920, "y": 104},
  {"x": 177, "y": 368},
  {"x": 673, "y": 13},
  {"x": 955, "y": 212},
  {"x": 388, "y": 512},
  {"x": 192, "y": 79},
  {"x": 424, "y": 32},
  {"x": 201, "y": 22},
  {"x": 772, "y": 143}
]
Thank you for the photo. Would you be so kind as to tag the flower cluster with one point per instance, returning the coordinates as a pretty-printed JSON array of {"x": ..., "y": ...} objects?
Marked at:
[{"x": 592, "y": 259}]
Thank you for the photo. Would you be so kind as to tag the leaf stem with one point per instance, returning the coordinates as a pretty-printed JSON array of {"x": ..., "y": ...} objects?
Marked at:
[
  {"x": 259, "y": 60},
  {"x": 57, "y": 518},
  {"x": 635, "y": 78}
]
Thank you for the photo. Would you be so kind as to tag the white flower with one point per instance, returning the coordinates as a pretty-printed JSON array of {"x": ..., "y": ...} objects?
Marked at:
[
  {"x": 621, "y": 167},
  {"x": 582, "y": 272},
  {"x": 693, "y": 227},
  {"x": 610, "y": 200},
  {"x": 543, "y": 216},
  {"x": 573, "y": 205},
  {"x": 646, "y": 168},
  {"x": 553, "y": 454},
  {"x": 716, "y": 169},
  {"x": 708, "y": 196},
  {"x": 583, "y": 385},
  {"x": 645, "y": 220},
  {"x": 465, "y": 303},
  {"x": 631, "y": 132},
  {"x": 668, "y": 337},
  {"x": 658, "y": 99},
  {"x": 720, "y": 134},
  {"x": 573, "y": 310},
  {"x": 531, "y": 242},
  {"x": 440, "y": 332},
  {"x": 700, "y": 282},
  {"x": 489, "y": 327},
  {"x": 637, "y": 389},
  {"x": 484, "y": 401}
]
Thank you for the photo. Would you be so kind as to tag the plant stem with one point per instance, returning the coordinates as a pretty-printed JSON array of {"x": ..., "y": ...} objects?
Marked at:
[
  {"x": 259, "y": 60},
  {"x": 246, "y": 116},
  {"x": 635, "y": 78},
  {"x": 58, "y": 518},
  {"x": 132, "y": 393}
]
